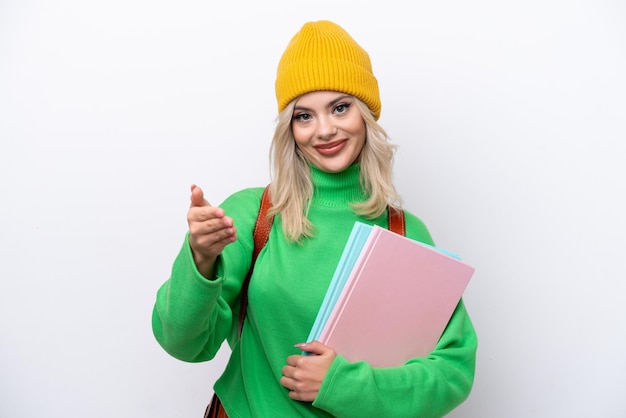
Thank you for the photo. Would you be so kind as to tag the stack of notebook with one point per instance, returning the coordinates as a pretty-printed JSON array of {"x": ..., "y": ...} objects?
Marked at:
[{"x": 390, "y": 298}]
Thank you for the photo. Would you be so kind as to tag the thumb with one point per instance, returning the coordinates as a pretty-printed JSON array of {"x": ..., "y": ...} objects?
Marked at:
[
  {"x": 314, "y": 347},
  {"x": 197, "y": 197}
]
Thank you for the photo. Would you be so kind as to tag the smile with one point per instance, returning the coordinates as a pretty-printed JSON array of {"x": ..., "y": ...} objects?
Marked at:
[{"x": 331, "y": 148}]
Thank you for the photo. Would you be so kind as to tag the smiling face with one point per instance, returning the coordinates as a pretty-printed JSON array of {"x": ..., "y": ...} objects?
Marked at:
[{"x": 329, "y": 130}]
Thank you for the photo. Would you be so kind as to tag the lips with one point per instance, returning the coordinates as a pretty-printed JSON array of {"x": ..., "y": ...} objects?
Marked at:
[{"x": 331, "y": 148}]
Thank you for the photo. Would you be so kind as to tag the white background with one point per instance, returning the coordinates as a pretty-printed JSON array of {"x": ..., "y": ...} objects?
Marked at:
[{"x": 510, "y": 118}]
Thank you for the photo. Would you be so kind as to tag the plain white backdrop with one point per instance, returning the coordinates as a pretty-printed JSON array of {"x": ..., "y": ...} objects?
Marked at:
[{"x": 510, "y": 119}]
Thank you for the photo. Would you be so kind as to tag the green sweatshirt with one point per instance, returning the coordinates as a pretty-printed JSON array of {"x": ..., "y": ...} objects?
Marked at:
[{"x": 193, "y": 316}]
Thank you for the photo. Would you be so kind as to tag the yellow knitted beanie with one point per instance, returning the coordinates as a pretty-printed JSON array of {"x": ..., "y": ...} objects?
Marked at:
[{"x": 323, "y": 56}]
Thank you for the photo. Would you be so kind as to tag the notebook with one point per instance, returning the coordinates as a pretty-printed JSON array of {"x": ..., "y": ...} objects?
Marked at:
[{"x": 390, "y": 299}]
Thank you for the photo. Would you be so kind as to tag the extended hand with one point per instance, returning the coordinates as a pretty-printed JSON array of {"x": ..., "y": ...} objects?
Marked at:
[
  {"x": 303, "y": 375},
  {"x": 209, "y": 231}
]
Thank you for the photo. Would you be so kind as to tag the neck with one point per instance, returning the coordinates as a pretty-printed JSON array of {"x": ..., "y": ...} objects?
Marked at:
[{"x": 337, "y": 188}]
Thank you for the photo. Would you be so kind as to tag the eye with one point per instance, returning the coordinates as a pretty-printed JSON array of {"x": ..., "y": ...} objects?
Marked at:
[
  {"x": 301, "y": 117},
  {"x": 342, "y": 108}
]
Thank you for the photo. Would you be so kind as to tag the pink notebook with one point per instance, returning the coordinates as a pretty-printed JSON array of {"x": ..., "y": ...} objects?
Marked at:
[{"x": 396, "y": 302}]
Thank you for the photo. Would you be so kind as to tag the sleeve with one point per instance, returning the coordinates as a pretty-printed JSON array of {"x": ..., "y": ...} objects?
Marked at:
[
  {"x": 192, "y": 316},
  {"x": 428, "y": 386}
]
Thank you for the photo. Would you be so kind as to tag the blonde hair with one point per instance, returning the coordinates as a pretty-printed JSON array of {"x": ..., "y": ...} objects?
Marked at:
[{"x": 292, "y": 188}]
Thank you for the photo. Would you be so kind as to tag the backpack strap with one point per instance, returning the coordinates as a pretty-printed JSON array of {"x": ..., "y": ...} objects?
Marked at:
[
  {"x": 395, "y": 223},
  {"x": 261, "y": 233},
  {"x": 395, "y": 220}
]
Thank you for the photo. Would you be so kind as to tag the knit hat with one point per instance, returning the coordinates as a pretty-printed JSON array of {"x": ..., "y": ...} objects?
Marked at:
[{"x": 323, "y": 56}]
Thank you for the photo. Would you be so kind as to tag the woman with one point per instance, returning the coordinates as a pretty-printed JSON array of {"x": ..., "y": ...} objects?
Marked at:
[{"x": 331, "y": 166}]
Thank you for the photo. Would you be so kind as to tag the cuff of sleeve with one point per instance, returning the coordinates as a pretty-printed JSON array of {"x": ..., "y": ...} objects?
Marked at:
[
  {"x": 218, "y": 278},
  {"x": 325, "y": 395}
]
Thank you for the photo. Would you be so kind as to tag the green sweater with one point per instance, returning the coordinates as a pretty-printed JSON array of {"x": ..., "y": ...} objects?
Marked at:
[{"x": 193, "y": 316}]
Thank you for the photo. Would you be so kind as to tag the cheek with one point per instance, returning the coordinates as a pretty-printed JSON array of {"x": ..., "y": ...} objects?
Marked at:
[
  {"x": 360, "y": 146},
  {"x": 300, "y": 136},
  {"x": 360, "y": 133},
  {"x": 357, "y": 127}
]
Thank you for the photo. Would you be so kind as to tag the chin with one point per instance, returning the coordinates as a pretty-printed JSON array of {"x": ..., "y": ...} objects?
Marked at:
[{"x": 333, "y": 168}]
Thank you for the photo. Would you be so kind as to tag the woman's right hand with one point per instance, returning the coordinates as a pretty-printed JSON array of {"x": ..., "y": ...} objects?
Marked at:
[{"x": 209, "y": 231}]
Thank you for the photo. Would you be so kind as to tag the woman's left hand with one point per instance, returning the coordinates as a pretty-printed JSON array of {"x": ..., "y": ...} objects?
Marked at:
[{"x": 303, "y": 375}]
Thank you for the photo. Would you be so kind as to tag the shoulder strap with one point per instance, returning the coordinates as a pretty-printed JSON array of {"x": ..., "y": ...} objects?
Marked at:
[
  {"x": 395, "y": 220},
  {"x": 395, "y": 223},
  {"x": 261, "y": 233}
]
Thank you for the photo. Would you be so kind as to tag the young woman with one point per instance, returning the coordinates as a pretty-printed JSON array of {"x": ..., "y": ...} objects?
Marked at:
[{"x": 331, "y": 166}]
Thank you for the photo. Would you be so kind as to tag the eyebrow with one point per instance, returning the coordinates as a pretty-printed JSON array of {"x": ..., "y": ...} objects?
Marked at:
[{"x": 330, "y": 104}]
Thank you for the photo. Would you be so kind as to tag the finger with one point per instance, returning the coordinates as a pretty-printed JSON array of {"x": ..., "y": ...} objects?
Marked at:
[
  {"x": 211, "y": 214},
  {"x": 208, "y": 219},
  {"x": 288, "y": 383},
  {"x": 225, "y": 237},
  {"x": 209, "y": 246},
  {"x": 288, "y": 371},
  {"x": 215, "y": 247},
  {"x": 314, "y": 347},
  {"x": 293, "y": 360},
  {"x": 212, "y": 231},
  {"x": 197, "y": 197},
  {"x": 298, "y": 390}
]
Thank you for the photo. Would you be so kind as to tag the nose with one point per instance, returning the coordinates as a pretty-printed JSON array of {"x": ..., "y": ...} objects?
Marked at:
[{"x": 326, "y": 127}]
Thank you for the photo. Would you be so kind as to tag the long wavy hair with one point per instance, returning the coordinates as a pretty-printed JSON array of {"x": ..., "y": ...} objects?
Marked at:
[{"x": 292, "y": 188}]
